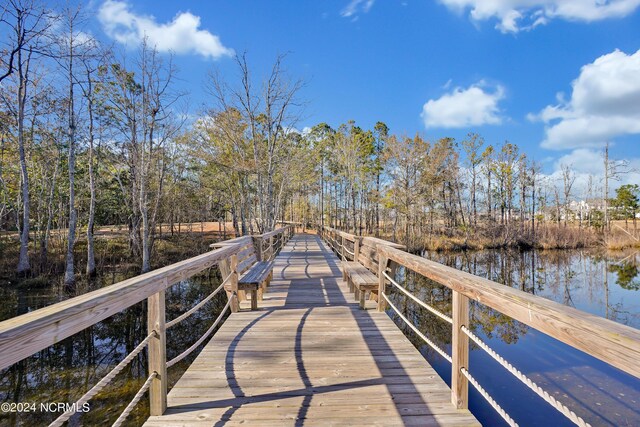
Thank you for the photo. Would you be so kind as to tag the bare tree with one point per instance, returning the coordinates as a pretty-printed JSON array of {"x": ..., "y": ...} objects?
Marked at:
[
  {"x": 472, "y": 146},
  {"x": 141, "y": 105},
  {"x": 534, "y": 175},
  {"x": 568, "y": 179},
  {"x": 67, "y": 51},
  {"x": 28, "y": 22},
  {"x": 613, "y": 170},
  {"x": 269, "y": 113}
]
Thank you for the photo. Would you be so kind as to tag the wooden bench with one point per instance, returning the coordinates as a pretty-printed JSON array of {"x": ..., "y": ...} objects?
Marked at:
[
  {"x": 257, "y": 277},
  {"x": 359, "y": 279},
  {"x": 253, "y": 276},
  {"x": 361, "y": 274}
]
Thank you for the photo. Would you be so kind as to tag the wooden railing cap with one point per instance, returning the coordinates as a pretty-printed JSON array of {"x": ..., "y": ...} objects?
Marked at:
[{"x": 609, "y": 341}]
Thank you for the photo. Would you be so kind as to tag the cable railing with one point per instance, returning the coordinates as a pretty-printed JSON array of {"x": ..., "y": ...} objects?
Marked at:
[
  {"x": 418, "y": 300},
  {"x": 103, "y": 382},
  {"x": 338, "y": 241},
  {"x": 200, "y": 304},
  {"x": 203, "y": 337},
  {"x": 25, "y": 335},
  {"x": 615, "y": 344},
  {"x": 433, "y": 345}
]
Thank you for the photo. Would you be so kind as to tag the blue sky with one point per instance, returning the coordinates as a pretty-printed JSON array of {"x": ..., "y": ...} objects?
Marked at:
[{"x": 556, "y": 77}]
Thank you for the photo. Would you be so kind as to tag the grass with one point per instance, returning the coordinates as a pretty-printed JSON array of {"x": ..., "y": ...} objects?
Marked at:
[{"x": 546, "y": 236}]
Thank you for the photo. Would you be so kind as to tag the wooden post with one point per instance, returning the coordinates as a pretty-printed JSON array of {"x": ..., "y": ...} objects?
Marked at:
[
  {"x": 157, "y": 353},
  {"x": 254, "y": 299},
  {"x": 342, "y": 248},
  {"x": 257, "y": 245},
  {"x": 273, "y": 249},
  {"x": 393, "y": 267},
  {"x": 356, "y": 248},
  {"x": 382, "y": 265},
  {"x": 225, "y": 270},
  {"x": 235, "y": 304},
  {"x": 460, "y": 351}
]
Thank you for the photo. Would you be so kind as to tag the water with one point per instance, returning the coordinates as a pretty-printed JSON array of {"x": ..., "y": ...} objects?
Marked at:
[
  {"x": 606, "y": 285},
  {"x": 603, "y": 284},
  {"x": 65, "y": 371}
]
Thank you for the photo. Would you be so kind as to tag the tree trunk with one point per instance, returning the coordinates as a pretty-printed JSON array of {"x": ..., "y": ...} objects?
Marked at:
[
  {"x": 69, "y": 276},
  {"x": 44, "y": 243},
  {"x": 91, "y": 261},
  {"x": 23, "y": 261}
]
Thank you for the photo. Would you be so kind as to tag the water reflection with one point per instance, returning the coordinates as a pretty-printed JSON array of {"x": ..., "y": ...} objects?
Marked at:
[
  {"x": 65, "y": 371},
  {"x": 603, "y": 284},
  {"x": 596, "y": 282}
]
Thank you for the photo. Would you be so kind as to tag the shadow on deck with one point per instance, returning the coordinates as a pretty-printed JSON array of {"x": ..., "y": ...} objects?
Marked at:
[{"x": 310, "y": 356}]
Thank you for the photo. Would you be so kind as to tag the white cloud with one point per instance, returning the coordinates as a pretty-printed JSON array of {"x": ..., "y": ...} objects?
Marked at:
[
  {"x": 605, "y": 104},
  {"x": 516, "y": 15},
  {"x": 355, "y": 7},
  {"x": 473, "y": 106},
  {"x": 181, "y": 35}
]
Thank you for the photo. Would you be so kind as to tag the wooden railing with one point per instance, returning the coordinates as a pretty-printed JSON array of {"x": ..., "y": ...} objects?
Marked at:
[
  {"x": 350, "y": 247},
  {"x": 613, "y": 343},
  {"x": 25, "y": 335}
]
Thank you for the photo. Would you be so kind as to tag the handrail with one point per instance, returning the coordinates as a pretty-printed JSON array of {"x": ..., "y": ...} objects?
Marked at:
[
  {"x": 615, "y": 344},
  {"x": 370, "y": 239},
  {"x": 611, "y": 342},
  {"x": 22, "y": 336},
  {"x": 347, "y": 236},
  {"x": 273, "y": 233}
]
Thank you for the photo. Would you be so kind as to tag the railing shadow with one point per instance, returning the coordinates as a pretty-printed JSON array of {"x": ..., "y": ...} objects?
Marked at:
[
  {"x": 309, "y": 291},
  {"x": 374, "y": 339},
  {"x": 234, "y": 386}
]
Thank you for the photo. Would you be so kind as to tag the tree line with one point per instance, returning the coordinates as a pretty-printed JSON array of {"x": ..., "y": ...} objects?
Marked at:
[
  {"x": 414, "y": 190},
  {"x": 92, "y": 137}
]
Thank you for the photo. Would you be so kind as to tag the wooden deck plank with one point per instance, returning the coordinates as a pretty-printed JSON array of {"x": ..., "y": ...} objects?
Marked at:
[{"x": 310, "y": 356}]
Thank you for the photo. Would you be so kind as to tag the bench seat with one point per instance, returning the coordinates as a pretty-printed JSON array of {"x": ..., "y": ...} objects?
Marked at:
[
  {"x": 256, "y": 277},
  {"x": 359, "y": 279}
]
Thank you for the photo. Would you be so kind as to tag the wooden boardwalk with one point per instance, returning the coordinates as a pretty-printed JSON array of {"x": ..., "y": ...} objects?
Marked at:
[{"x": 310, "y": 356}]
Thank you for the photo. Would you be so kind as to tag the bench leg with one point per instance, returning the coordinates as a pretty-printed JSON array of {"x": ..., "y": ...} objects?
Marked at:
[
  {"x": 263, "y": 289},
  {"x": 344, "y": 274},
  {"x": 356, "y": 293},
  {"x": 362, "y": 293},
  {"x": 254, "y": 299},
  {"x": 373, "y": 296}
]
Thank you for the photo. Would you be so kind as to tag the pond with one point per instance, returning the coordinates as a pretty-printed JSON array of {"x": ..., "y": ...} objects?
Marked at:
[
  {"x": 65, "y": 371},
  {"x": 603, "y": 284},
  {"x": 607, "y": 285}
]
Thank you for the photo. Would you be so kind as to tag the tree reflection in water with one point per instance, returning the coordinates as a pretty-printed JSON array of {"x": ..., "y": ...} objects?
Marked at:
[
  {"x": 65, "y": 371},
  {"x": 603, "y": 284}
]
